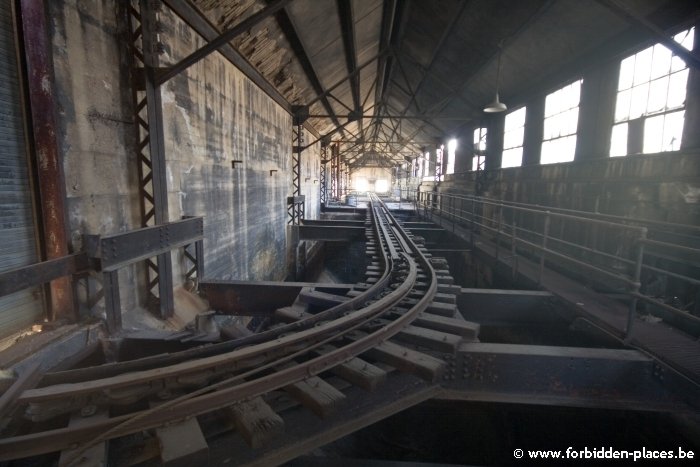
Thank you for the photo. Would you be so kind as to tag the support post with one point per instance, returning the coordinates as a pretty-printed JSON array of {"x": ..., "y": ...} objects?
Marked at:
[
  {"x": 545, "y": 236},
  {"x": 151, "y": 145},
  {"x": 634, "y": 289},
  {"x": 49, "y": 163}
]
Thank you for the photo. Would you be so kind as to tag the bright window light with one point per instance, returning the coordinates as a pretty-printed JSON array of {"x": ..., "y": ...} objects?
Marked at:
[
  {"x": 479, "y": 148},
  {"x": 381, "y": 186},
  {"x": 451, "y": 149},
  {"x": 652, "y": 86},
  {"x": 618, "y": 143},
  {"x": 426, "y": 164},
  {"x": 560, "y": 124},
  {"x": 439, "y": 159},
  {"x": 513, "y": 134},
  {"x": 360, "y": 184}
]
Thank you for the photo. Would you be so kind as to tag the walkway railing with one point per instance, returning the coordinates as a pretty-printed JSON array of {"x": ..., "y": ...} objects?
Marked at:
[{"x": 657, "y": 263}]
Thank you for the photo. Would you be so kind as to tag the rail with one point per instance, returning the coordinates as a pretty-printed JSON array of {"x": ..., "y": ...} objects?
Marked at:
[
  {"x": 215, "y": 376},
  {"x": 640, "y": 259}
]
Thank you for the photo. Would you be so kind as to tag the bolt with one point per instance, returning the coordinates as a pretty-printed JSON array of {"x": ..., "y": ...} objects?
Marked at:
[{"x": 88, "y": 410}]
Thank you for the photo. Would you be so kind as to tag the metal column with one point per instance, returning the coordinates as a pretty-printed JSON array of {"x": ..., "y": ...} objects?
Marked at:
[
  {"x": 49, "y": 166},
  {"x": 295, "y": 203},
  {"x": 322, "y": 177},
  {"x": 145, "y": 48}
]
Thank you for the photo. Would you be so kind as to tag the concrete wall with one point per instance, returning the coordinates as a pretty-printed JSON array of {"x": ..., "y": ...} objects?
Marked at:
[
  {"x": 212, "y": 115},
  {"x": 96, "y": 123}
]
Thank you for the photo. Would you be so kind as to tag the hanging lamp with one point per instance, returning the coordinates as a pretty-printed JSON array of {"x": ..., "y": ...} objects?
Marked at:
[{"x": 497, "y": 105}]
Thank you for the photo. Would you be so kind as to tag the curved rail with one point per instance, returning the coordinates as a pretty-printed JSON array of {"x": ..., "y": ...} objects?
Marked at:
[{"x": 240, "y": 369}]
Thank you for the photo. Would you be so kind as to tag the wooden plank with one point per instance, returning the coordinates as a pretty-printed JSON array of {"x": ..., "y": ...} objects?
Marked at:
[
  {"x": 316, "y": 395},
  {"x": 290, "y": 314},
  {"x": 429, "y": 338},
  {"x": 357, "y": 371},
  {"x": 314, "y": 297},
  {"x": 182, "y": 444},
  {"x": 459, "y": 327},
  {"x": 256, "y": 422},
  {"x": 26, "y": 380},
  {"x": 92, "y": 456},
  {"x": 408, "y": 360}
]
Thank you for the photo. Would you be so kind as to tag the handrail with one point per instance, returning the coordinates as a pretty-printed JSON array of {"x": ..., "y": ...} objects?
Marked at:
[
  {"x": 625, "y": 262},
  {"x": 588, "y": 214}
]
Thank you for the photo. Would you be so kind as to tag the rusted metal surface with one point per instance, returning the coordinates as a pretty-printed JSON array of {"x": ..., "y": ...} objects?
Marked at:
[
  {"x": 534, "y": 374},
  {"x": 49, "y": 161},
  {"x": 40, "y": 273},
  {"x": 276, "y": 348}
]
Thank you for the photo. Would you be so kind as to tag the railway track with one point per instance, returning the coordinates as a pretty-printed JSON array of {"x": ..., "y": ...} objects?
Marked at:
[{"x": 389, "y": 339}]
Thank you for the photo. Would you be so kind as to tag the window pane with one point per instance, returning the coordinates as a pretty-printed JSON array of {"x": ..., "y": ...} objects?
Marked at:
[
  {"x": 686, "y": 38},
  {"x": 639, "y": 100},
  {"x": 618, "y": 142},
  {"x": 622, "y": 107},
  {"x": 515, "y": 119},
  {"x": 653, "y": 134},
  {"x": 676, "y": 89},
  {"x": 626, "y": 73},
  {"x": 575, "y": 93},
  {"x": 550, "y": 128},
  {"x": 551, "y": 104},
  {"x": 661, "y": 63},
  {"x": 512, "y": 158},
  {"x": 642, "y": 66},
  {"x": 673, "y": 131},
  {"x": 571, "y": 121},
  {"x": 658, "y": 90}
]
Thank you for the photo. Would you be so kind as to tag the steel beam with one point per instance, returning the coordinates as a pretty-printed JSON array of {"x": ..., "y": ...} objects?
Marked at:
[
  {"x": 566, "y": 376},
  {"x": 347, "y": 26},
  {"x": 287, "y": 27},
  {"x": 215, "y": 44},
  {"x": 38, "y": 58},
  {"x": 151, "y": 145},
  {"x": 185, "y": 10},
  {"x": 330, "y": 233},
  {"x": 121, "y": 249},
  {"x": 40, "y": 273},
  {"x": 259, "y": 298},
  {"x": 689, "y": 57}
]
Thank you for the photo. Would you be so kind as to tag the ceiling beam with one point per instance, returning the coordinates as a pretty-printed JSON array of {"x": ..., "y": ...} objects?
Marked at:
[
  {"x": 635, "y": 19},
  {"x": 347, "y": 28},
  {"x": 290, "y": 33},
  {"x": 223, "y": 39}
]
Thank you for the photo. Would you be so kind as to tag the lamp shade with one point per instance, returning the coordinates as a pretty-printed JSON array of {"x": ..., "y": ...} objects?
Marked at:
[{"x": 495, "y": 106}]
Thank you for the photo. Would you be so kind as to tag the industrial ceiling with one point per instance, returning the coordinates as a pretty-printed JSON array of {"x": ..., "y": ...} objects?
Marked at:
[{"x": 387, "y": 78}]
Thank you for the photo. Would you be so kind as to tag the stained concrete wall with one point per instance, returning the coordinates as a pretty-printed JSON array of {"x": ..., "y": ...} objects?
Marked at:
[
  {"x": 212, "y": 115},
  {"x": 96, "y": 135}
]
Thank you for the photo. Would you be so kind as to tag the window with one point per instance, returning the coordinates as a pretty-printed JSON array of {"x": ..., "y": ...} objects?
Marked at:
[
  {"x": 513, "y": 139},
  {"x": 439, "y": 168},
  {"x": 451, "y": 148},
  {"x": 560, "y": 124},
  {"x": 426, "y": 164},
  {"x": 479, "y": 148},
  {"x": 651, "y": 93}
]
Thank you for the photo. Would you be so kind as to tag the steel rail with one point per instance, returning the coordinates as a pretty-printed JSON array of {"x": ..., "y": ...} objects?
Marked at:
[{"x": 207, "y": 399}]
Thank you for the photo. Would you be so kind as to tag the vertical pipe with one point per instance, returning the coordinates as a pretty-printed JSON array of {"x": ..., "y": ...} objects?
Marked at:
[
  {"x": 634, "y": 289},
  {"x": 49, "y": 163},
  {"x": 498, "y": 229},
  {"x": 113, "y": 312},
  {"x": 513, "y": 248},
  {"x": 545, "y": 235}
]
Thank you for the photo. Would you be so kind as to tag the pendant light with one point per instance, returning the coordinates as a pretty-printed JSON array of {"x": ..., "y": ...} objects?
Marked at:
[{"x": 496, "y": 105}]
